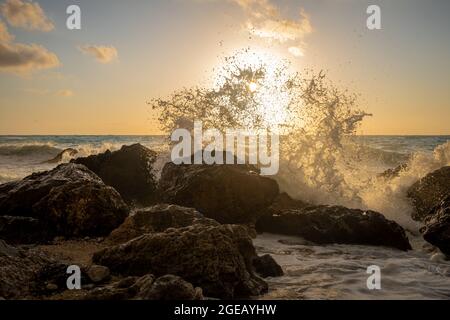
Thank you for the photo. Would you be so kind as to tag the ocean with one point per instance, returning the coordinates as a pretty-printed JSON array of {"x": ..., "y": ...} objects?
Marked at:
[{"x": 312, "y": 272}]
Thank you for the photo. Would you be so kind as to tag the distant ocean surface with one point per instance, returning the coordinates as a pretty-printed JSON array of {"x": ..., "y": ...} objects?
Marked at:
[
  {"x": 23, "y": 155},
  {"x": 311, "y": 272}
]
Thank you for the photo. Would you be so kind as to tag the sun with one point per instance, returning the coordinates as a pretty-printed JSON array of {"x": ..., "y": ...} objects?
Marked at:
[
  {"x": 263, "y": 75},
  {"x": 253, "y": 86}
]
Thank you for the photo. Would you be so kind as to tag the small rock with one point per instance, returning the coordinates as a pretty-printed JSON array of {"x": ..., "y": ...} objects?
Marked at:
[
  {"x": 266, "y": 266},
  {"x": 98, "y": 273},
  {"x": 170, "y": 287},
  {"x": 51, "y": 287}
]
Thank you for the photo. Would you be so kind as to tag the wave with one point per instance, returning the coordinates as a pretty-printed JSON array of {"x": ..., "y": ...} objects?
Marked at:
[{"x": 24, "y": 150}]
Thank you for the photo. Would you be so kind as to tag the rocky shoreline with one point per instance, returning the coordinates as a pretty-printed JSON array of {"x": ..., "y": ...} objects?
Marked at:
[{"x": 186, "y": 236}]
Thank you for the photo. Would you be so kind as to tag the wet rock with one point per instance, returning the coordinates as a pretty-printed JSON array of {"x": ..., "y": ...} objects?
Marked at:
[
  {"x": 336, "y": 224},
  {"x": 128, "y": 170},
  {"x": 266, "y": 266},
  {"x": 69, "y": 200},
  {"x": 216, "y": 258},
  {"x": 22, "y": 230},
  {"x": 157, "y": 218},
  {"x": 82, "y": 209},
  {"x": 437, "y": 226},
  {"x": 98, "y": 274},
  {"x": 394, "y": 172},
  {"x": 429, "y": 191},
  {"x": 169, "y": 287},
  {"x": 18, "y": 270},
  {"x": 17, "y": 198},
  {"x": 226, "y": 193}
]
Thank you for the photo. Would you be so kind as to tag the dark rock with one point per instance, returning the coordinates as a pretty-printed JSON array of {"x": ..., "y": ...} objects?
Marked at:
[
  {"x": 335, "y": 224},
  {"x": 157, "y": 218},
  {"x": 437, "y": 226},
  {"x": 82, "y": 209},
  {"x": 429, "y": 191},
  {"x": 98, "y": 274},
  {"x": 128, "y": 170},
  {"x": 69, "y": 200},
  {"x": 169, "y": 287},
  {"x": 226, "y": 193},
  {"x": 394, "y": 172},
  {"x": 18, "y": 270},
  {"x": 17, "y": 198},
  {"x": 22, "y": 230},
  {"x": 266, "y": 266},
  {"x": 216, "y": 258},
  {"x": 284, "y": 202}
]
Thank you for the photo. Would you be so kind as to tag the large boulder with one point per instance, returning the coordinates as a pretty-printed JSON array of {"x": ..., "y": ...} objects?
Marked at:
[
  {"x": 128, "y": 170},
  {"x": 22, "y": 230},
  {"x": 336, "y": 224},
  {"x": 429, "y": 191},
  {"x": 18, "y": 270},
  {"x": 147, "y": 287},
  {"x": 216, "y": 258},
  {"x": 226, "y": 193},
  {"x": 437, "y": 226},
  {"x": 157, "y": 218},
  {"x": 69, "y": 200}
]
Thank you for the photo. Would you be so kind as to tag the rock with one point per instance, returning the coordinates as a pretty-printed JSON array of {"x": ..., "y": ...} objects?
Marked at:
[
  {"x": 170, "y": 287},
  {"x": 22, "y": 230},
  {"x": 283, "y": 202},
  {"x": 157, "y": 218},
  {"x": 226, "y": 193},
  {"x": 17, "y": 198},
  {"x": 429, "y": 191},
  {"x": 266, "y": 266},
  {"x": 437, "y": 226},
  {"x": 51, "y": 287},
  {"x": 394, "y": 172},
  {"x": 68, "y": 201},
  {"x": 128, "y": 170},
  {"x": 336, "y": 224},
  {"x": 216, "y": 258},
  {"x": 18, "y": 270},
  {"x": 98, "y": 274}
]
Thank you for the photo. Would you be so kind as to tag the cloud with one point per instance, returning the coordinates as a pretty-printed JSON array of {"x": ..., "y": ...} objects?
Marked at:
[
  {"x": 5, "y": 36},
  {"x": 23, "y": 58},
  {"x": 65, "y": 93},
  {"x": 103, "y": 54},
  {"x": 265, "y": 21},
  {"x": 296, "y": 51},
  {"x": 27, "y": 15}
]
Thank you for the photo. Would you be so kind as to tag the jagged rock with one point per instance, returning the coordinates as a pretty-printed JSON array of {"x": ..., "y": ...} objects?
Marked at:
[
  {"x": 266, "y": 266},
  {"x": 437, "y": 226},
  {"x": 157, "y": 218},
  {"x": 169, "y": 287},
  {"x": 394, "y": 172},
  {"x": 69, "y": 200},
  {"x": 98, "y": 274},
  {"x": 82, "y": 209},
  {"x": 128, "y": 170},
  {"x": 22, "y": 230},
  {"x": 336, "y": 224},
  {"x": 429, "y": 191},
  {"x": 18, "y": 270},
  {"x": 226, "y": 193},
  {"x": 216, "y": 258}
]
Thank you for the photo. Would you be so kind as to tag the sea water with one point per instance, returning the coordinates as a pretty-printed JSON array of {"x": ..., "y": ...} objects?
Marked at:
[{"x": 311, "y": 272}]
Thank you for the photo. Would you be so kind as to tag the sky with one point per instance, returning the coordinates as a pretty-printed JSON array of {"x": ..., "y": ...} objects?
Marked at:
[{"x": 98, "y": 80}]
